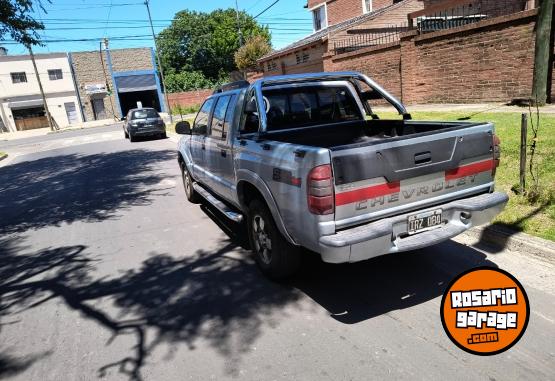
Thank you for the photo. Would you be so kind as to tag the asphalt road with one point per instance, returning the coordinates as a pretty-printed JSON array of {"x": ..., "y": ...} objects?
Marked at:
[{"x": 107, "y": 272}]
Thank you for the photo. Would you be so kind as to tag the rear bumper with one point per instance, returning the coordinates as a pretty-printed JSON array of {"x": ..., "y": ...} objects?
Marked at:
[
  {"x": 145, "y": 131},
  {"x": 389, "y": 235}
]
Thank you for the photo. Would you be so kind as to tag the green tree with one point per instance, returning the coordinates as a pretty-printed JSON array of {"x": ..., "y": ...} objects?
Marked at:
[
  {"x": 206, "y": 42},
  {"x": 15, "y": 20},
  {"x": 247, "y": 56},
  {"x": 187, "y": 80}
]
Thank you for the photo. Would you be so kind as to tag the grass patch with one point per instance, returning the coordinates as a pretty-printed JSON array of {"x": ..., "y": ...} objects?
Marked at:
[
  {"x": 536, "y": 218},
  {"x": 170, "y": 128}
]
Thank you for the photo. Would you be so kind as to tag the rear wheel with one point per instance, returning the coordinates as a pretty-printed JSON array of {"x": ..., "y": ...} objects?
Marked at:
[
  {"x": 190, "y": 192},
  {"x": 275, "y": 257}
]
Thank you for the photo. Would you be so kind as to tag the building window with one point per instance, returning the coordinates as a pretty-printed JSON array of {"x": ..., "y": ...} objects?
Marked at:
[
  {"x": 319, "y": 17},
  {"x": 302, "y": 57},
  {"x": 367, "y": 6},
  {"x": 19, "y": 77},
  {"x": 55, "y": 74},
  {"x": 272, "y": 65}
]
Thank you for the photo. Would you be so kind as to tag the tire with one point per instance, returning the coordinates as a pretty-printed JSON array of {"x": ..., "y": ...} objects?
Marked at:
[
  {"x": 163, "y": 135},
  {"x": 190, "y": 192},
  {"x": 132, "y": 138},
  {"x": 275, "y": 257},
  {"x": 126, "y": 134}
]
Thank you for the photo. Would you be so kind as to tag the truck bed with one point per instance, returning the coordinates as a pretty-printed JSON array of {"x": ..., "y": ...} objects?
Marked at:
[{"x": 347, "y": 135}]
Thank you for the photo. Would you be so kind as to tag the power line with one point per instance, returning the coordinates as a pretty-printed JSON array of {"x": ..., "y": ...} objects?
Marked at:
[{"x": 267, "y": 8}]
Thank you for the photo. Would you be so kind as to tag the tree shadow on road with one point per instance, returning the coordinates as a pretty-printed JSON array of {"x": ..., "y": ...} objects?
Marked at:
[
  {"x": 53, "y": 190},
  {"x": 214, "y": 295}
]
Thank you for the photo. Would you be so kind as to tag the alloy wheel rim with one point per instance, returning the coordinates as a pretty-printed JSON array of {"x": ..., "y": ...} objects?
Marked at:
[{"x": 262, "y": 241}]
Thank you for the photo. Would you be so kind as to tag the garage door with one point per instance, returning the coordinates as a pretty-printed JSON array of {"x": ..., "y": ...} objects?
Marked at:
[{"x": 131, "y": 83}]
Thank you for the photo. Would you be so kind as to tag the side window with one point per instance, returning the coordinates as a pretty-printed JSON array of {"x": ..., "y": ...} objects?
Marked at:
[
  {"x": 200, "y": 127},
  {"x": 229, "y": 115},
  {"x": 217, "y": 125}
]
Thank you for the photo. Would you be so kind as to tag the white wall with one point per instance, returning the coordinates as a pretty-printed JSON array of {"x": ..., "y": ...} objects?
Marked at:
[{"x": 57, "y": 91}]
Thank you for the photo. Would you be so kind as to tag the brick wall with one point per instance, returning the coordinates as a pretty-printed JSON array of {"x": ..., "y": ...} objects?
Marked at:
[
  {"x": 383, "y": 66},
  {"x": 341, "y": 10},
  {"x": 490, "y": 61},
  {"x": 87, "y": 67},
  {"x": 131, "y": 59},
  {"x": 189, "y": 98}
]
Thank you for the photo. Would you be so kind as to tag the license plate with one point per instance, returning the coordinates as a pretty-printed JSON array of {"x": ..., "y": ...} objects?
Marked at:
[{"x": 424, "y": 221}]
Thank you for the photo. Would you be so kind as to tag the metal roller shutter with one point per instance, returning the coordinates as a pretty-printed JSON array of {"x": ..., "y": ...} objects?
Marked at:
[{"x": 131, "y": 83}]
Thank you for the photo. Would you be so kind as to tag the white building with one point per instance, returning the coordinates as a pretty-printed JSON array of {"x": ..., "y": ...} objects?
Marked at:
[{"x": 21, "y": 104}]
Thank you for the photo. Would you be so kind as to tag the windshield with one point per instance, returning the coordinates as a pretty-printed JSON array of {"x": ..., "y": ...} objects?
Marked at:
[
  {"x": 144, "y": 113},
  {"x": 310, "y": 105}
]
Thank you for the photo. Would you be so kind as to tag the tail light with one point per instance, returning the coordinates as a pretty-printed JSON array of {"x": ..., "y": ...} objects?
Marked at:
[
  {"x": 320, "y": 190},
  {"x": 496, "y": 153}
]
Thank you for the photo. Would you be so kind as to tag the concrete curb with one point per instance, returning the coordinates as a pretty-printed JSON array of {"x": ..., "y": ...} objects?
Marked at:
[{"x": 505, "y": 238}]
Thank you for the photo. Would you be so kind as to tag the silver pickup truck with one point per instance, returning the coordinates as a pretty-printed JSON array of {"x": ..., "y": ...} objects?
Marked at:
[{"x": 306, "y": 161}]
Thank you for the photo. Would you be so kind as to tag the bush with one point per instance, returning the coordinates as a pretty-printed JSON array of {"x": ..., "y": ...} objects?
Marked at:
[
  {"x": 184, "y": 110},
  {"x": 186, "y": 81},
  {"x": 247, "y": 56}
]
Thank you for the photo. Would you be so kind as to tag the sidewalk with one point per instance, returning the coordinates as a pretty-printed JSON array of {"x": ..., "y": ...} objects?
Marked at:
[{"x": 45, "y": 131}]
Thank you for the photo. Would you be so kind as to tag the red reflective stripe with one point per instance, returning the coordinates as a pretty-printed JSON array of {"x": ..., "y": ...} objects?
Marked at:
[
  {"x": 470, "y": 169},
  {"x": 367, "y": 193}
]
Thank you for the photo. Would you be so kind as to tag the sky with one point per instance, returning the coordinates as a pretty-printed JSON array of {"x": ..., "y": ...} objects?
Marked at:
[{"x": 288, "y": 21}]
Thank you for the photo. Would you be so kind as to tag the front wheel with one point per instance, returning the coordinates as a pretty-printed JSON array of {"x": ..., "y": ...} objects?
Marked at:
[
  {"x": 190, "y": 192},
  {"x": 275, "y": 257},
  {"x": 132, "y": 138}
]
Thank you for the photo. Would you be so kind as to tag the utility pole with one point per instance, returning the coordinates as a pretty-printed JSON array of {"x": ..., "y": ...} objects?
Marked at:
[
  {"x": 542, "y": 52},
  {"x": 108, "y": 89},
  {"x": 159, "y": 63},
  {"x": 48, "y": 116},
  {"x": 238, "y": 24}
]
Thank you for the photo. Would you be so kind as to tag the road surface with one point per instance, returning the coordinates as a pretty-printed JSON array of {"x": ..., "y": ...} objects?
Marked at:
[{"x": 107, "y": 272}]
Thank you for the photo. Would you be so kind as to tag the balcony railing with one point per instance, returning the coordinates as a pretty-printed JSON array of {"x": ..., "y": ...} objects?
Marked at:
[
  {"x": 368, "y": 38},
  {"x": 454, "y": 13}
]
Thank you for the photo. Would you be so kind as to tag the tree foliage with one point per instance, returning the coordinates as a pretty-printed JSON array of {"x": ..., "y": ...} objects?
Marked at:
[
  {"x": 187, "y": 80},
  {"x": 247, "y": 56},
  {"x": 15, "y": 20},
  {"x": 205, "y": 42}
]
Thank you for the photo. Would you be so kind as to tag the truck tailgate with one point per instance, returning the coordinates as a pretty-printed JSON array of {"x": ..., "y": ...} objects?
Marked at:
[{"x": 393, "y": 176}]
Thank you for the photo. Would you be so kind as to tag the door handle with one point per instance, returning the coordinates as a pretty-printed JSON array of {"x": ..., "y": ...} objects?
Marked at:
[{"x": 422, "y": 158}]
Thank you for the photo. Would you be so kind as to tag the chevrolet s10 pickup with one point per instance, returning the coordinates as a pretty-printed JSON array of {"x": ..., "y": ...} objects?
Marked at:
[{"x": 306, "y": 162}]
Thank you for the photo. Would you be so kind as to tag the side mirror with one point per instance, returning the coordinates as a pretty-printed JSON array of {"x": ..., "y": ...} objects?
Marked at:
[
  {"x": 183, "y": 128},
  {"x": 123, "y": 118},
  {"x": 251, "y": 107}
]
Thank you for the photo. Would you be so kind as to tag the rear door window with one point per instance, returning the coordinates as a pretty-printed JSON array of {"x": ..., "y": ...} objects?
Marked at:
[
  {"x": 217, "y": 125},
  {"x": 229, "y": 116}
]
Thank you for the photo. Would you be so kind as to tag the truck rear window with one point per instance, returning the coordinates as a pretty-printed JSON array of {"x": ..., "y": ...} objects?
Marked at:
[{"x": 307, "y": 106}]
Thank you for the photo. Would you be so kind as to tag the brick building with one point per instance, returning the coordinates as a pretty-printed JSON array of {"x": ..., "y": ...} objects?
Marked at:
[
  {"x": 114, "y": 82},
  {"x": 334, "y": 21}
]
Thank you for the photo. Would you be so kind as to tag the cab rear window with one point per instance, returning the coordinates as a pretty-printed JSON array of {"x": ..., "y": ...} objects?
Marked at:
[{"x": 307, "y": 106}]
